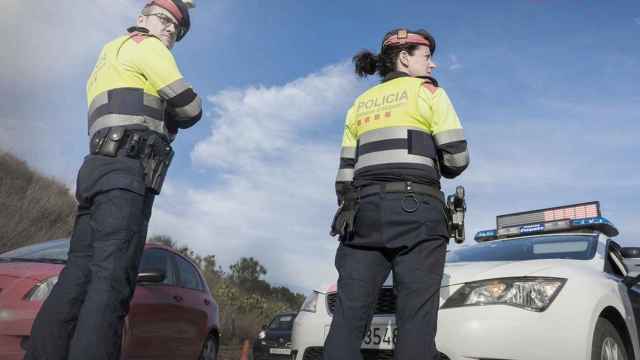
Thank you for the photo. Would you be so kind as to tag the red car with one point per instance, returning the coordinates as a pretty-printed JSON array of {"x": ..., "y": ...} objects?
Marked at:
[{"x": 172, "y": 314}]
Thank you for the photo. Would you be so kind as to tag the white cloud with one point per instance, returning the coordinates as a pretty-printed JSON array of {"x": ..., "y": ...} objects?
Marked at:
[
  {"x": 8, "y": 133},
  {"x": 48, "y": 39},
  {"x": 566, "y": 156},
  {"x": 454, "y": 63},
  {"x": 276, "y": 199},
  {"x": 49, "y": 48},
  {"x": 261, "y": 123}
]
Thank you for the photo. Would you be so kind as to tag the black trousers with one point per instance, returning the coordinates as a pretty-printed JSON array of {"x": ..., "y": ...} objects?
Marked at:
[
  {"x": 399, "y": 233},
  {"x": 83, "y": 316}
]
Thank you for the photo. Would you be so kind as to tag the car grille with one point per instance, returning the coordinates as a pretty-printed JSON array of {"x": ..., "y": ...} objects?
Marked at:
[
  {"x": 278, "y": 343},
  {"x": 315, "y": 353},
  {"x": 386, "y": 302}
]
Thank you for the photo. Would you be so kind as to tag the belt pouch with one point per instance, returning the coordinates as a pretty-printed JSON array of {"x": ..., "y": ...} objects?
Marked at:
[{"x": 111, "y": 142}]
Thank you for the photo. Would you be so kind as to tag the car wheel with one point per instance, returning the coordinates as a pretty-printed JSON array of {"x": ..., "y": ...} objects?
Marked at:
[
  {"x": 209, "y": 349},
  {"x": 607, "y": 343}
]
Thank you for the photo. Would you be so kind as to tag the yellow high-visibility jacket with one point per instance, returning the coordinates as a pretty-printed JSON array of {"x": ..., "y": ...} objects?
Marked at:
[
  {"x": 136, "y": 82},
  {"x": 404, "y": 129}
]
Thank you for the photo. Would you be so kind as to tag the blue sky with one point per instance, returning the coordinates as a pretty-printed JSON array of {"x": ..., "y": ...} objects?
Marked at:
[{"x": 547, "y": 92}]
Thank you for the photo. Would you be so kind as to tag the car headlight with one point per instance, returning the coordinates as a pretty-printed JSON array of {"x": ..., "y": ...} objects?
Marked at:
[
  {"x": 310, "y": 302},
  {"x": 42, "y": 290},
  {"x": 529, "y": 293},
  {"x": 262, "y": 334}
]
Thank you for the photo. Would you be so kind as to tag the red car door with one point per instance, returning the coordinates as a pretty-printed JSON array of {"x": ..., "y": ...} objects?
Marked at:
[
  {"x": 156, "y": 313},
  {"x": 195, "y": 309}
]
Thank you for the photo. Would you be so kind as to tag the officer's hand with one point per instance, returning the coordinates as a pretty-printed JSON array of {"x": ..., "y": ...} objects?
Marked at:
[
  {"x": 343, "y": 221},
  {"x": 170, "y": 122}
]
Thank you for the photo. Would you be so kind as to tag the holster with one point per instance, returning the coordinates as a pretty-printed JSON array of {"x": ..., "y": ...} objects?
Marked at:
[
  {"x": 150, "y": 147},
  {"x": 107, "y": 141},
  {"x": 156, "y": 159}
]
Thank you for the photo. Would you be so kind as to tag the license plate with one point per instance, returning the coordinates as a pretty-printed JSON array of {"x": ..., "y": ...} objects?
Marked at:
[
  {"x": 383, "y": 337},
  {"x": 280, "y": 351}
]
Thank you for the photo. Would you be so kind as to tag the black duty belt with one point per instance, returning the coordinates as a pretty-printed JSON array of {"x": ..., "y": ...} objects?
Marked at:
[
  {"x": 150, "y": 147},
  {"x": 119, "y": 141},
  {"x": 401, "y": 187}
]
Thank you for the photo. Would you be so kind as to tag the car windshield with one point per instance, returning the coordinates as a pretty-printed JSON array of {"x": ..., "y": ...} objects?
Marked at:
[
  {"x": 284, "y": 322},
  {"x": 50, "y": 250},
  {"x": 577, "y": 247}
]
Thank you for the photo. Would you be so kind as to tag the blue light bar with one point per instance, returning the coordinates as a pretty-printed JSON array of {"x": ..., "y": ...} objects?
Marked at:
[
  {"x": 486, "y": 235},
  {"x": 597, "y": 223}
]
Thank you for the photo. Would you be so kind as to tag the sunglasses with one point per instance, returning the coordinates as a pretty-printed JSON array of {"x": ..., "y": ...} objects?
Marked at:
[{"x": 165, "y": 20}]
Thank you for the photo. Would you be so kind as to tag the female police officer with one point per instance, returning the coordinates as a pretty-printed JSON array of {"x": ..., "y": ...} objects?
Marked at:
[{"x": 400, "y": 137}]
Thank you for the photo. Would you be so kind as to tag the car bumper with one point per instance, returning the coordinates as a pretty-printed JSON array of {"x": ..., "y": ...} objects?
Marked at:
[
  {"x": 506, "y": 332},
  {"x": 11, "y": 347},
  {"x": 309, "y": 333},
  {"x": 15, "y": 330},
  {"x": 263, "y": 352},
  {"x": 494, "y": 332}
]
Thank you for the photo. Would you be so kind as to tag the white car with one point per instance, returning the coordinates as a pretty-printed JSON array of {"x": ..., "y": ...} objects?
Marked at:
[{"x": 556, "y": 289}]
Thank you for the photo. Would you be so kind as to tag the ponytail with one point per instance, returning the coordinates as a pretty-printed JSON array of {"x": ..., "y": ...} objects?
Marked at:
[{"x": 366, "y": 63}]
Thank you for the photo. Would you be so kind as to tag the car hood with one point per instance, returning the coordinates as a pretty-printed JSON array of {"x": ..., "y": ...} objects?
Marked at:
[
  {"x": 30, "y": 270},
  {"x": 464, "y": 272}
]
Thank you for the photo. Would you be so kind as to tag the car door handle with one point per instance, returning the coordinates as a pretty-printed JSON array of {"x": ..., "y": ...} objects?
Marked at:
[
  {"x": 207, "y": 302},
  {"x": 178, "y": 298}
]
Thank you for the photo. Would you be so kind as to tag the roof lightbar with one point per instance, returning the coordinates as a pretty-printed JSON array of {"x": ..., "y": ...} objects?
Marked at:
[{"x": 550, "y": 220}]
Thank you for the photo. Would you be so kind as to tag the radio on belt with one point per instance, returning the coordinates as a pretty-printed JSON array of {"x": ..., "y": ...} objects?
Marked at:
[{"x": 577, "y": 217}]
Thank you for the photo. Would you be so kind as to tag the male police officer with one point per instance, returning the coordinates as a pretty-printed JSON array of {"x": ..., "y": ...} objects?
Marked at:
[
  {"x": 137, "y": 102},
  {"x": 400, "y": 137}
]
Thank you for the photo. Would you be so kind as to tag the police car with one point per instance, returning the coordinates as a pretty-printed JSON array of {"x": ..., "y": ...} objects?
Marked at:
[{"x": 545, "y": 284}]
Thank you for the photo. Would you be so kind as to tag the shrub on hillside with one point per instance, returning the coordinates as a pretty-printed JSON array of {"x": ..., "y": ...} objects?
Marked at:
[{"x": 33, "y": 208}]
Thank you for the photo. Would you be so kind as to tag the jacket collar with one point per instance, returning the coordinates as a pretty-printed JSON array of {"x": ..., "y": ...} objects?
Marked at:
[
  {"x": 138, "y": 29},
  {"x": 394, "y": 75},
  {"x": 398, "y": 74}
]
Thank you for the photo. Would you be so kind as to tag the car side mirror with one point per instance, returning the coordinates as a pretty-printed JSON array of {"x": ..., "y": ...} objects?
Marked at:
[
  {"x": 632, "y": 259},
  {"x": 151, "y": 276},
  {"x": 631, "y": 281},
  {"x": 630, "y": 252}
]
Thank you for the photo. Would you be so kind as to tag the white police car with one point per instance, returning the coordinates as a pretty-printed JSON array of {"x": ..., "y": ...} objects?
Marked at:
[{"x": 546, "y": 285}]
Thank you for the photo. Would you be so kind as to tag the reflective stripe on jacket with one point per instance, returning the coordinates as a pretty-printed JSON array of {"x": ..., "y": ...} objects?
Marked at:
[
  {"x": 404, "y": 129},
  {"x": 136, "y": 82}
]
